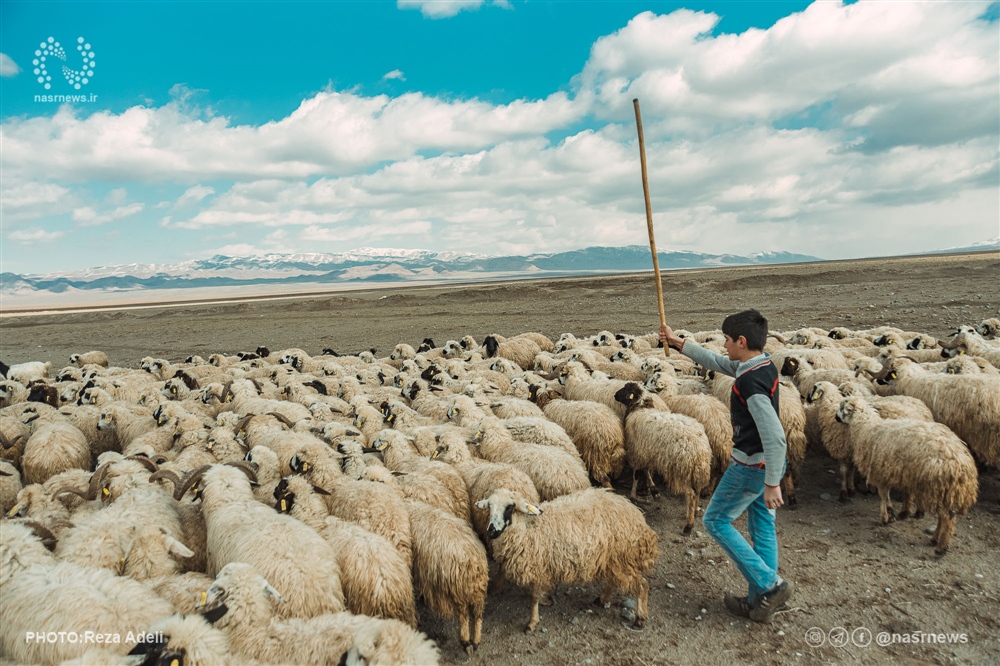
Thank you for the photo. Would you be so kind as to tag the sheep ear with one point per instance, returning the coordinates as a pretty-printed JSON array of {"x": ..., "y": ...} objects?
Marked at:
[
  {"x": 175, "y": 547},
  {"x": 273, "y": 593},
  {"x": 483, "y": 504}
]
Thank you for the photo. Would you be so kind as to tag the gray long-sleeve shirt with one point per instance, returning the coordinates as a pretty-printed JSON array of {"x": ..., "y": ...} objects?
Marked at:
[{"x": 772, "y": 434}]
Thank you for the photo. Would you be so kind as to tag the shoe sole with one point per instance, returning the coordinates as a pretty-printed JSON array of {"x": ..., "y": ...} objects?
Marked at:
[{"x": 777, "y": 602}]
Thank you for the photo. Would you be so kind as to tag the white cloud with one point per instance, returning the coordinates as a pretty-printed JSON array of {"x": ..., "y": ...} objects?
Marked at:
[
  {"x": 394, "y": 74},
  {"x": 116, "y": 197},
  {"x": 8, "y": 67},
  {"x": 33, "y": 199},
  {"x": 87, "y": 216},
  {"x": 32, "y": 236},
  {"x": 330, "y": 133},
  {"x": 436, "y": 9},
  {"x": 194, "y": 194}
]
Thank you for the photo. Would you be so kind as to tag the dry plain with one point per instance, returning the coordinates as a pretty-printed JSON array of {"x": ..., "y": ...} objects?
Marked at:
[{"x": 851, "y": 572}]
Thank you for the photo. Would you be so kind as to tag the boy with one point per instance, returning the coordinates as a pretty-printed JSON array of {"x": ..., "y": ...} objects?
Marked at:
[{"x": 752, "y": 480}]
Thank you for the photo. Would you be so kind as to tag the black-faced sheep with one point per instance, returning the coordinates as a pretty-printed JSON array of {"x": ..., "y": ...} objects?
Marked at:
[
  {"x": 672, "y": 445},
  {"x": 591, "y": 535}
]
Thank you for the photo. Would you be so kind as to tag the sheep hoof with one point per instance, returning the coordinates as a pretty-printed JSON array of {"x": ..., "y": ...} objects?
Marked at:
[
  {"x": 851, "y": 492},
  {"x": 530, "y": 629},
  {"x": 687, "y": 530},
  {"x": 845, "y": 498},
  {"x": 470, "y": 649},
  {"x": 640, "y": 623},
  {"x": 918, "y": 515},
  {"x": 940, "y": 552},
  {"x": 903, "y": 515},
  {"x": 793, "y": 501},
  {"x": 547, "y": 601},
  {"x": 597, "y": 602}
]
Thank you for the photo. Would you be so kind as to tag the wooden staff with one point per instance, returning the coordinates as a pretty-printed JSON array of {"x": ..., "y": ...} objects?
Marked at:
[{"x": 649, "y": 212}]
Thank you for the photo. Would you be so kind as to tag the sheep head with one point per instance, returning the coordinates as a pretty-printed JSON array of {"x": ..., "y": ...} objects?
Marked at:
[
  {"x": 236, "y": 584},
  {"x": 501, "y": 505}
]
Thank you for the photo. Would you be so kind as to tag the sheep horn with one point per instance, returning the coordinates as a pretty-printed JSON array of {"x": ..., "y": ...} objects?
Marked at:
[
  {"x": 43, "y": 533},
  {"x": 9, "y": 443},
  {"x": 244, "y": 467},
  {"x": 241, "y": 424},
  {"x": 144, "y": 461},
  {"x": 281, "y": 417},
  {"x": 883, "y": 373},
  {"x": 777, "y": 337},
  {"x": 954, "y": 343},
  {"x": 189, "y": 480},
  {"x": 70, "y": 489},
  {"x": 167, "y": 474},
  {"x": 227, "y": 392}
]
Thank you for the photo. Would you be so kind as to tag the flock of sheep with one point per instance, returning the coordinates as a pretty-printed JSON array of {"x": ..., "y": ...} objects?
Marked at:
[{"x": 280, "y": 507}]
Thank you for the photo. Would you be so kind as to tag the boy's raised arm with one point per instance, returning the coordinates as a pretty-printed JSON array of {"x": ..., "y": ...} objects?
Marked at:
[{"x": 698, "y": 354}]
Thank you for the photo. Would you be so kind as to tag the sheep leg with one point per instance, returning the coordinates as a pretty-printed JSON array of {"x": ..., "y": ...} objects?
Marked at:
[
  {"x": 945, "y": 530},
  {"x": 477, "y": 628},
  {"x": 653, "y": 492},
  {"x": 846, "y": 487},
  {"x": 886, "y": 513},
  {"x": 907, "y": 510},
  {"x": 605, "y": 597},
  {"x": 692, "y": 507},
  {"x": 536, "y": 596},
  {"x": 463, "y": 629},
  {"x": 788, "y": 486},
  {"x": 642, "y": 604},
  {"x": 635, "y": 484}
]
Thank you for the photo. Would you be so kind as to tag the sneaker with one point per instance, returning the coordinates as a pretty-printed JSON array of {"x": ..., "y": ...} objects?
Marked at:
[
  {"x": 771, "y": 601},
  {"x": 739, "y": 606}
]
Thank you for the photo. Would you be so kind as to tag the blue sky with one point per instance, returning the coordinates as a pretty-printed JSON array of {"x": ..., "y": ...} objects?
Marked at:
[{"x": 831, "y": 129}]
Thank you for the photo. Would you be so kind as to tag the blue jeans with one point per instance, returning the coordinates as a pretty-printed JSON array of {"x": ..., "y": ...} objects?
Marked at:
[{"x": 742, "y": 489}]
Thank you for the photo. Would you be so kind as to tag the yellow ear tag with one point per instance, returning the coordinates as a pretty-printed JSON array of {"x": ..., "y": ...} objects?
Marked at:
[
  {"x": 284, "y": 506},
  {"x": 204, "y": 599},
  {"x": 305, "y": 467},
  {"x": 13, "y": 512},
  {"x": 106, "y": 492},
  {"x": 961, "y": 352},
  {"x": 175, "y": 662},
  {"x": 532, "y": 509},
  {"x": 173, "y": 389}
]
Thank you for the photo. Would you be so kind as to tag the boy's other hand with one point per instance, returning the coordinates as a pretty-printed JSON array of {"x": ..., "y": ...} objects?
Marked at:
[{"x": 772, "y": 497}]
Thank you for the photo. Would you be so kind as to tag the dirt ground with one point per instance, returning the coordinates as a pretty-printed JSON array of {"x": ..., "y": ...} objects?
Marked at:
[{"x": 855, "y": 579}]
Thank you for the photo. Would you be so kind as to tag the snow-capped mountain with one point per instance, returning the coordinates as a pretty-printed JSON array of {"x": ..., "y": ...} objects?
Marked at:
[{"x": 295, "y": 272}]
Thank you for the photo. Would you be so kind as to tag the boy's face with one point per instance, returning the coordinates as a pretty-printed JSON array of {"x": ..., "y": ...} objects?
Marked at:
[{"x": 735, "y": 349}]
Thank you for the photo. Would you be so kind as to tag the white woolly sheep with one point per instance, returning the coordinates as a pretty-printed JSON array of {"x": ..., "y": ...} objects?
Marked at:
[
  {"x": 43, "y": 594},
  {"x": 968, "y": 404},
  {"x": 374, "y": 506},
  {"x": 240, "y": 529},
  {"x": 242, "y": 604},
  {"x": 26, "y": 373},
  {"x": 595, "y": 429},
  {"x": 672, "y": 445},
  {"x": 90, "y": 358},
  {"x": 553, "y": 471},
  {"x": 375, "y": 578},
  {"x": 939, "y": 475},
  {"x": 591, "y": 535},
  {"x": 450, "y": 570}
]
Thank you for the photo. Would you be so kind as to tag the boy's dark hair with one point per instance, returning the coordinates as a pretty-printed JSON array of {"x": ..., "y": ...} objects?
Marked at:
[{"x": 750, "y": 324}]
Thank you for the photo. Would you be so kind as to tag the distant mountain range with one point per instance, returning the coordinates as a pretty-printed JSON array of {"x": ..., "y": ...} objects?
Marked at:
[
  {"x": 276, "y": 273},
  {"x": 371, "y": 266}
]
